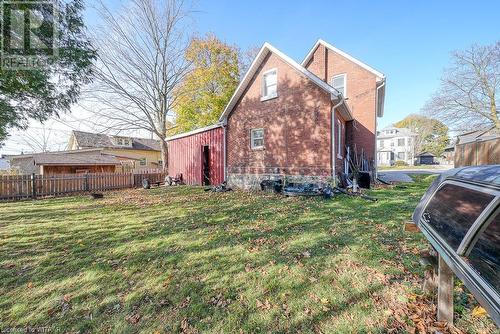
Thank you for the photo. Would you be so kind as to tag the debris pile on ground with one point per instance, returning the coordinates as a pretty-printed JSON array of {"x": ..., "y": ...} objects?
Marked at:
[
  {"x": 174, "y": 180},
  {"x": 219, "y": 188}
]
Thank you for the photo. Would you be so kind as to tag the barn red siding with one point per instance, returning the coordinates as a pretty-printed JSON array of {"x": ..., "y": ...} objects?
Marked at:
[{"x": 185, "y": 156}]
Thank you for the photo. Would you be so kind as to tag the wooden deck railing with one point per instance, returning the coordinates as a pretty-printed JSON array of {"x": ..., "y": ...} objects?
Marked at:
[{"x": 15, "y": 187}]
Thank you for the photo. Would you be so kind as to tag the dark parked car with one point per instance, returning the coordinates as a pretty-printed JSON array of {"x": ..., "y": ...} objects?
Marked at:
[{"x": 460, "y": 216}]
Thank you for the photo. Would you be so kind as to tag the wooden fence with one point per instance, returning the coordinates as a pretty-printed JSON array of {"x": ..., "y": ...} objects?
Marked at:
[
  {"x": 14, "y": 187},
  {"x": 485, "y": 152}
]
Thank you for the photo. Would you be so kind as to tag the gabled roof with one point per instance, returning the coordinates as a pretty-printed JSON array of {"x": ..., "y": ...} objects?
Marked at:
[
  {"x": 400, "y": 132},
  {"x": 425, "y": 154},
  {"x": 101, "y": 140},
  {"x": 380, "y": 75},
  {"x": 261, "y": 56}
]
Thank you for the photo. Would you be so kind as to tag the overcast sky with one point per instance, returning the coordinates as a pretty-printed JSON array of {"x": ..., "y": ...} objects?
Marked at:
[{"x": 409, "y": 41}]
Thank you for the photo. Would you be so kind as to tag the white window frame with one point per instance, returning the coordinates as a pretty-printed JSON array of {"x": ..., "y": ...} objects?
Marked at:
[
  {"x": 252, "y": 138},
  {"x": 264, "y": 96},
  {"x": 344, "y": 75},
  {"x": 145, "y": 161},
  {"x": 339, "y": 139},
  {"x": 404, "y": 142}
]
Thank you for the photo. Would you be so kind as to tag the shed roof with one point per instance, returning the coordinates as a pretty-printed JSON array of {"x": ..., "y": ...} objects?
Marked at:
[
  {"x": 76, "y": 159},
  {"x": 193, "y": 132},
  {"x": 73, "y": 157},
  {"x": 425, "y": 154},
  {"x": 482, "y": 134}
]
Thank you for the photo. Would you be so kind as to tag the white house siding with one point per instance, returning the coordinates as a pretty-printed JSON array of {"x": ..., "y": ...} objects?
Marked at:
[{"x": 395, "y": 144}]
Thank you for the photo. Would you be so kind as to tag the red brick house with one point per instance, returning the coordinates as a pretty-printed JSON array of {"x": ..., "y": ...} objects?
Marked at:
[{"x": 290, "y": 119}]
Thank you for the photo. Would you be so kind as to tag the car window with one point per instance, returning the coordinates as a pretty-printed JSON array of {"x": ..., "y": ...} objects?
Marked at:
[
  {"x": 485, "y": 255},
  {"x": 453, "y": 210}
]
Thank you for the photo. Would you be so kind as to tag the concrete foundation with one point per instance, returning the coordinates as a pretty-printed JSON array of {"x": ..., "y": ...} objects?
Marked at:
[{"x": 252, "y": 181}]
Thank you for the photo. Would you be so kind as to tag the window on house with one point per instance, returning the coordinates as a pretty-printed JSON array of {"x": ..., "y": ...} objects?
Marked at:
[
  {"x": 143, "y": 162},
  {"x": 270, "y": 84},
  {"x": 401, "y": 155},
  {"x": 339, "y": 139},
  {"x": 257, "y": 138},
  {"x": 339, "y": 83},
  {"x": 401, "y": 142},
  {"x": 119, "y": 141},
  {"x": 381, "y": 143}
]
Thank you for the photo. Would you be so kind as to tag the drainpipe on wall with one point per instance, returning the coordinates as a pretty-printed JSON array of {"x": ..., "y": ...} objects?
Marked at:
[
  {"x": 332, "y": 121},
  {"x": 376, "y": 121}
]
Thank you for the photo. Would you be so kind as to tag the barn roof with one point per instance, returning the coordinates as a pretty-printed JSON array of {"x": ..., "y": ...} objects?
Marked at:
[{"x": 193, "y": 132}]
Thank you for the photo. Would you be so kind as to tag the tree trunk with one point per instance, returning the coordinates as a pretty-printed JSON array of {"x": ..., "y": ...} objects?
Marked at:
[
  {"x": 493, "y": 112},
  {"x": 164, "y": 154}
]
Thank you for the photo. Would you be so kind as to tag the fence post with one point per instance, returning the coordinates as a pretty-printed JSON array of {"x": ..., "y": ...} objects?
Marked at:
[
  {"x": 86, "y": 181},
  {"x": 445, "y": 292},
  {"x": 33, "y": 186}
]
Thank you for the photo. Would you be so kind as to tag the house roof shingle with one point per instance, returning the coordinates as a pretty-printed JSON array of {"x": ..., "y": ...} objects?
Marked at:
[
  {"x": 484, "y": 134},
  {"x": 74, "y": 157},
  {"x": 100, "y": 140}
]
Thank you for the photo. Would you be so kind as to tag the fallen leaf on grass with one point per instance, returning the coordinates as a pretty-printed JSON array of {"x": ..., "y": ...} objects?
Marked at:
[
  {"x": 67, "y": 298},
  {"x": 30, "y": 285},
  {"x": 266, "y": 305},
  {"x": 133, "y": 318},
  {"x": 478, "y": 312},
  {"x": 186, "y": 328},
  {"x": 167, "y": 281},
  {"x": 185, "y": 302}
]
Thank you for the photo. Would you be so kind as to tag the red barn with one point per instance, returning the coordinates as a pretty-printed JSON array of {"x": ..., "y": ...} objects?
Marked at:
[{"x": 198, "y": 155}]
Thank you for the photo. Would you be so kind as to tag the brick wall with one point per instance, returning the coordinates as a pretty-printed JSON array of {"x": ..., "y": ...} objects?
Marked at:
[
  {"x": 297, "y": 126},
  {"x": 361, "y": 95}
]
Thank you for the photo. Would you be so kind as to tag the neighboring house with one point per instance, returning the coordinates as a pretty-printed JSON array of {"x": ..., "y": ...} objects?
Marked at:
[
  {"x": 65, "y": 162},
  {"x": 395, "y": 144},
  {"x": 425, "y": 158},
  {"x": 133, "y": 153},
  {"x": 480, "y": 147},
  {"x": 290, "y": 119}
]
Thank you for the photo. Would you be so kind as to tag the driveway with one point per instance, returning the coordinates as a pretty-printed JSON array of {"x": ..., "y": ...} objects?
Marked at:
[{"x": 402, "y": 175}]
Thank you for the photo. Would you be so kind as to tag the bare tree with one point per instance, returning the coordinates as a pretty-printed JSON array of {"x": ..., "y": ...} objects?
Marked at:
[
  {"x": 140, "y": 63},
  {"x": 246, "y": 59},
  {"x": 468, "y": 96},
  {"x": 41, "y": 139}
]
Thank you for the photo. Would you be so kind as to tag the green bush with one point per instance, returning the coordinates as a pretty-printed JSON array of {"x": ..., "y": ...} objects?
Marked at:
[{"x": 399, "y": 163}]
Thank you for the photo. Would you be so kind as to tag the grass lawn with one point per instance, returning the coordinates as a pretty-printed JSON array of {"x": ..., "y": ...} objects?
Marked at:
[{"x": 180, "y": 259}]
